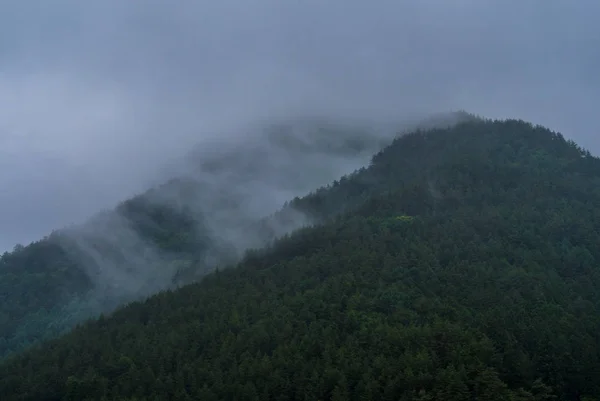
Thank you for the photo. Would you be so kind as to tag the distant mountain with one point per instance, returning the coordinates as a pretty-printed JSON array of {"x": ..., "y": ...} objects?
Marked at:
[
  {"x": 207, "y": 215},
  {"x": 461, "y": 264}
]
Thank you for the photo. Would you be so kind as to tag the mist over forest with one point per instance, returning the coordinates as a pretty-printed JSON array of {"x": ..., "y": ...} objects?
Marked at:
[{"x": 220, "y": 194}]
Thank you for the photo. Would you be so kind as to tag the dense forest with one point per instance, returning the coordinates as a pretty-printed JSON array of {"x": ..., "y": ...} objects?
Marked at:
[
  {"x": 45, "y": 287},
  {"x": 461, "y": 264},
  {"x": 171, "y": 234}
]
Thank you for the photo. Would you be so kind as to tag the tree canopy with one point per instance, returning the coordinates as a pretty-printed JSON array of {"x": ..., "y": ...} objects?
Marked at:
[{"x": 461, "y": 264}]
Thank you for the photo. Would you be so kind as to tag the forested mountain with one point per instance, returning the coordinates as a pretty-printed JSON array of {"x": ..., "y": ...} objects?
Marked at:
[
  {"x": 139, "y": 247},
  {"x": 215, "y": 208},
  {"x": 461, "y": 264}
]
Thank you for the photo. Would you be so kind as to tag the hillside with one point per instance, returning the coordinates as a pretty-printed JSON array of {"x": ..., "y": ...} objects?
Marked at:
[
  {"x": 217, "y": 205},
  {"x": 139, "y": 247},
  {"x": 461, "y": 264}
]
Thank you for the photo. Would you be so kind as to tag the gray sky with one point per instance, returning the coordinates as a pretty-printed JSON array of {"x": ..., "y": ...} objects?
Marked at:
[{"x": 95, "y": 97}]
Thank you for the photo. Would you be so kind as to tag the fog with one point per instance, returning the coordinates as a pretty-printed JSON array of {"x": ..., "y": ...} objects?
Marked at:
[
  {"x": 227, "y": 189},
  {"x": 101, "y": 100}
]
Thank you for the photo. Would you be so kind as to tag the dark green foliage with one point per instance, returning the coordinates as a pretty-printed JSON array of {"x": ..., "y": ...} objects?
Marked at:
[
  {"x": 161, "y": 238},
  {"x": 48, "y": 286},
  {"x": 463, "y": 266},
  {"x": 33, "y": 280}
]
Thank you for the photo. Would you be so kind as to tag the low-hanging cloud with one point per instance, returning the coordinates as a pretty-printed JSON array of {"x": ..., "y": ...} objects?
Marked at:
[
  {"x": 96, "y": 99},
  {"x": 226, "y": 198}
]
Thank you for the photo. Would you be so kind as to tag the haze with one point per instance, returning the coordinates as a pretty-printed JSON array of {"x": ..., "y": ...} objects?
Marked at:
[{"x": 97, "y": 98}]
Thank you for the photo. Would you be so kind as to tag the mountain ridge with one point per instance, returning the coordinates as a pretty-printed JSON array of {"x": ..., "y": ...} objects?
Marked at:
[
  {"x": 471, "y": 277},
  {"x": 178, "y": 230}
]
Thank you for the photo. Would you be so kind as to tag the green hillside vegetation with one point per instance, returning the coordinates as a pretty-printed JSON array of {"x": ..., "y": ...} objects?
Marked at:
[
  {"x": 462, "y": 264},
  {"x": 52, "y": 284},
  {"x": 45, "y": 290}
]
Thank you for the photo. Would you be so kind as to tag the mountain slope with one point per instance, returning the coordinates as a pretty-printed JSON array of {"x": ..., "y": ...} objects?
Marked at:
[
  {"x": 463, "y": 265},
  {"x": 176, "y": 232}
]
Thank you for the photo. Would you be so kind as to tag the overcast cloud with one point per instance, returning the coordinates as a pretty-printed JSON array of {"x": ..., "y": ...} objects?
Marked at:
[{"x": 96, "y": 97}]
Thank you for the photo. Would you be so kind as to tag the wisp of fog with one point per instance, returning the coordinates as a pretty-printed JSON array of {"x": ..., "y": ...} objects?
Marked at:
[{"x": 226, "y": 186}]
